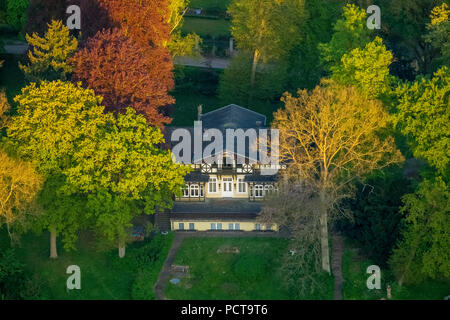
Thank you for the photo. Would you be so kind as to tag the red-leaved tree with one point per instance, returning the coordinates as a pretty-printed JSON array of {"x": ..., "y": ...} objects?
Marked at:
[
  {"x": 127, "y": 74},
  {"x": 144, "y": 21}
]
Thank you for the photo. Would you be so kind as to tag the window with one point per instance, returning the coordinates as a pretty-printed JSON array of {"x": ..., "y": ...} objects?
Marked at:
[
  {"x": 268, "y": 188},
  {"x": 181, "y": 226},
  {"x": 230, "y": 226},
  {"x": 259, "y": 191},
  {"x": 257, "y": 227},
  {"x": 268, "y": 227},
  {"x": 242, "y": 186},
  {"x": 191, "y": 226},
  {"x": 202, "y": 190},
  {"x": 185, "y": 191},
  {"x": 212, "y": 185},
  {"x": 194, "y": 190},
  {"x": 213, "y": 226},
  {"x": 237, "y": 226},
  {"x": 219, "y": 226}
]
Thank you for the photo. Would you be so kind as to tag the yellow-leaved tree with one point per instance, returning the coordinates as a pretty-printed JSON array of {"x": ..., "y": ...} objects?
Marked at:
[
  {"x": 49, "y": 56},
  {"x": 329, "y": 137}
]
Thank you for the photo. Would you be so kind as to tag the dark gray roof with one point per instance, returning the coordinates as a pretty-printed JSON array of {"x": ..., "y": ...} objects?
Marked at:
[
  {"x": 196, "y": 177},
  {"x": 233, "y": 116},
  {"x": 260, "y": 178},
  {"x": 217, "y": 206}
]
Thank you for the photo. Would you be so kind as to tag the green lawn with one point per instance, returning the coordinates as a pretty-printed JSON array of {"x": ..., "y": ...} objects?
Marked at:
[
  {"x": 103, "y": 274},
  {"x": 208, "y": 4},
  {"x": 354, "y": 268},
  {"x": 206, "y": 27},
  {"x": 250, "y": 274}
]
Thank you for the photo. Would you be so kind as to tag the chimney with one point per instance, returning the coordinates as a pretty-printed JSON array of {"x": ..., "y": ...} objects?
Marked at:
[{"x": 199, "y": 112}]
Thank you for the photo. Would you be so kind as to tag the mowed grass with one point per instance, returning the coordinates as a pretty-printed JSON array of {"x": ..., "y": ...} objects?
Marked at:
[
  {"x": 250, "y": 274},
  {"x": 354, "y": 269},
  {"x": 103, "y": 275},
  {"x": 209, "y": 4},
  {"x": 206, "y": 27}
]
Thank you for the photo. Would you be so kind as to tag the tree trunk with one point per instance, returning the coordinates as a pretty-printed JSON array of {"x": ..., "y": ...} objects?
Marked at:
[
  {"x": 324, "y": 234},
  {"x": 254, "y": 66},
  {"x": 53, "y": 251},
  {"x": 121, "y": 249}
]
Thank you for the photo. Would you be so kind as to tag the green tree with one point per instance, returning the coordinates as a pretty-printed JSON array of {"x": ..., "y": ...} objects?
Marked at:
[
  {"x": 180, "y": 45},
  {"x": 54, "y": 120},
  {"x": 366, "y": 69},
  {"x": 124, "y": 173},
  {"x": 260, "y": 28},
  {"x": 439, "y": 32},
  {"x": 304, "y": 59},
  {"x": 423, "y": 252},
  {"x": 16, "y": 13},
  {"x": 50, "y": 55},
  {"x": 423, "y": 116},
  {"x": 350, "y": 32}
]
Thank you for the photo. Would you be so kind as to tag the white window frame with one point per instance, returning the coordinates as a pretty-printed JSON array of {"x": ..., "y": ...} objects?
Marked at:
[
  {"x": 213, "y": 226},
  {"x": 212, "y": 182},
  {"x": 191, "y": 224},
  {"x": 181, "y": 226},
  {"x": 242, "y": 184},
  {"x": 258, "y": 226},
  {"x": 231, "y": 226},
  {"x": 258, "y": 190},
  {"x": 237, "y": 226},
  {"x": 186, "y": 191},
  {"x": 194, "y": 190},
  {"x": 219, "y": 226}
]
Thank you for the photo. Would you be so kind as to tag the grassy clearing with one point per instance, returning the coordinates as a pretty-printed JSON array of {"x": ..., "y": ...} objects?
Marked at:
[
  {"x": 206, "y": 27},
  {"x": 354, "y": 268},
  {"x": 103, "y": 275},
  {"x": 210, "y": 4},
  {"x": 250, "y": 274}
]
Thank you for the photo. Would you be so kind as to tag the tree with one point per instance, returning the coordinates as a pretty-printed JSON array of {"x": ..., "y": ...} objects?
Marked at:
[
  {"x": 146, "y": 22},
  {"x": 16, "y": 12},
  {"x": 124, "y": 173},
  {"x": 375, "y": 220},
  {"x": 19, "y": 185},
  {"x": 331, "y": 137},
  {"x": 179, "y": 45},
  {"x": 366, "y": 69},
  {"x": 423, "y": 251},
  {"x": 304, "y": 59},
  {"x": 423, "y": 116},
  {"x": 350, "y": 32},
  {"x": 49, "y": 58},
  {"x": 439, "y": 32},
  {"x": 4, "y": 109},
  {"x": 42, "y": 12},
  {"x": 260, "y": 29},
  {"x": 126, "y": 74},
  {"x": 235, "y": 88},
  {"x": 53, "y": 120},
  {"x": 404, "y": 24}
]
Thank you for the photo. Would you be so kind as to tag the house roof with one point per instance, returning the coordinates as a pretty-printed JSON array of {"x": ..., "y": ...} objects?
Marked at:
[
  {"x": 232, "y": 116},
  {"x": 216, "y": 208},
  {"x": 229, "y": 117}
]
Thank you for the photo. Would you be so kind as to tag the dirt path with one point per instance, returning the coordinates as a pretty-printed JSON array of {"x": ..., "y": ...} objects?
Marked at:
[
  {"x": 166, "y": 273},
  {"x": 336, "y": 265}
]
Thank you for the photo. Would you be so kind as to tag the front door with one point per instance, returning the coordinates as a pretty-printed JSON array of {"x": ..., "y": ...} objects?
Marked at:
[{"x": 227, "y": 187}]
